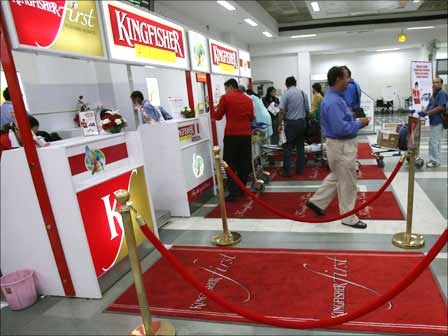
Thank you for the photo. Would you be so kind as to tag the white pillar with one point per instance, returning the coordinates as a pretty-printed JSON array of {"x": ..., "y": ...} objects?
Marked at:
[{"x": 304, "y": 73}]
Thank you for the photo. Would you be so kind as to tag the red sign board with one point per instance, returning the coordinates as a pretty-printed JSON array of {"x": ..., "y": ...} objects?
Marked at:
[
  {"x": 201, "y": 77},
  {"x": 130, "y": 29},
  {"x": 221, "y": 55}
]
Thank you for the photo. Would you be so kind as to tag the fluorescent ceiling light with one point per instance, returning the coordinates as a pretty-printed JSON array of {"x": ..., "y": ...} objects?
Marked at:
[
  {"x": 267, "y": 34},
  {"x": 149, "y": 67},
  {"x": 416, "y": 0},
  {"x": 389, "y": 49},
  {"x": 300, "y": 36},
  {"x": 315, "y": 6},
  {"x": 417, "y": 28},
  {"x": 226, "y": 5},
  {"x": 251, "y": 22}
]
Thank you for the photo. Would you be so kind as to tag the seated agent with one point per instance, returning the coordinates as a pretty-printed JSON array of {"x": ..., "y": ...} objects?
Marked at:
[{"x": 150, "y": 114}]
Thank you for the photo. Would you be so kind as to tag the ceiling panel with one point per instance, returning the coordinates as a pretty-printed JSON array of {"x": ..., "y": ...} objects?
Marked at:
[{"x": 290, "y": 11}]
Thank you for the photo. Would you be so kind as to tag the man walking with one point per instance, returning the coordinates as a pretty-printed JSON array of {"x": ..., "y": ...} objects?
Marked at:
[
  {"x": 239, "y": 111},
  {"x": 340, "y": 128},
  {"x": 436, "y": 106},
  {"x": 294, "y": 109}
]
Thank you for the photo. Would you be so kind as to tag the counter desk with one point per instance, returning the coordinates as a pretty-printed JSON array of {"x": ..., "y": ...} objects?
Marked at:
[
  {"x": 81, "y": 175},
  {"x": 179, "y": 159}
]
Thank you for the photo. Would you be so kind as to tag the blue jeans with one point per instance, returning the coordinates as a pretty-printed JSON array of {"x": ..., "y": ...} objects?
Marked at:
[
  {"x": 295, "y": 136},
  {"x": 434, "y": 143}
]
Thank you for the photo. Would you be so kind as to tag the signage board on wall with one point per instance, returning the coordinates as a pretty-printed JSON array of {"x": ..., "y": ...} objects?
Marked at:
[
  {"x": 199, "y": 52},
  {"x": 224, "y": 59},
  {"x": 421, "y": 81},
  {"x": 245, "y": 65},
  {"x": 64, "y": 27},
  {"x": 103, "y": 223},
  {"x": 134, "y": 35}
]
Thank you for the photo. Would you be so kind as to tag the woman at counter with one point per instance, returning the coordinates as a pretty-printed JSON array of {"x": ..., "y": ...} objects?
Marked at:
[{"x": 317, "y": 100}]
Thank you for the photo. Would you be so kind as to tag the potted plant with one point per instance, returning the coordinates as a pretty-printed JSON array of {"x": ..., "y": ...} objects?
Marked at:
[
  {"x": 187, "y": 112},
  {"x": 113, "y": 122}
]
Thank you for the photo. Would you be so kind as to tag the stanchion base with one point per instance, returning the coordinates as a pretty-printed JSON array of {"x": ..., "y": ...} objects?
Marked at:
[
  {"x": 222, "y": 239},
  {"x": 162, "y": 328},
  {"x": 413, "y": 241}
]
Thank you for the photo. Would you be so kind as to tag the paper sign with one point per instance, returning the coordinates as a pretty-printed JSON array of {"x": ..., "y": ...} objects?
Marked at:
[{"x": 88, "y": 124}]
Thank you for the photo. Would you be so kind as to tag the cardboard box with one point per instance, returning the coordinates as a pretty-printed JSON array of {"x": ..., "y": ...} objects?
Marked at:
[
  {"x": 391, "y": 127},
  {"x": 388, "y": 139}
]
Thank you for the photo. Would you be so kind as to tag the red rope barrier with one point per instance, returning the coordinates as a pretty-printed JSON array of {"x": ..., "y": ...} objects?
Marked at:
[
  {"x": 390, "y": 294},
  {"x": 311, "y": 220}
]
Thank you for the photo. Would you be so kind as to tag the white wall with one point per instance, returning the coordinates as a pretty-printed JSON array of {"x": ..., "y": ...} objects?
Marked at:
[
  {"x": 374, "y": 71},
  {"x": 275, "y": 68}
]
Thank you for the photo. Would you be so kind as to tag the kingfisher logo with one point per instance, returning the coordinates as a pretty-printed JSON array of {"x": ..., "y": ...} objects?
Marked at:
[
  {"x": 225, "y": 56},
  {"x": 198, "y": 166}
]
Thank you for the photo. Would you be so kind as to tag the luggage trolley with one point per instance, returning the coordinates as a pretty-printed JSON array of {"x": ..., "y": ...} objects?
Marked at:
[
  {"x": 380, "y": 152},
  {"x": 260, "y": 176}
]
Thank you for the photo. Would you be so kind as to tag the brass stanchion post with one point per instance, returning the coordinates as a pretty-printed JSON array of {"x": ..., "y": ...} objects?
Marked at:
[
  {"x": 161, "y": 327},
  {"x": 226, "y": 238},
  {"x": 409, "y": 240}
]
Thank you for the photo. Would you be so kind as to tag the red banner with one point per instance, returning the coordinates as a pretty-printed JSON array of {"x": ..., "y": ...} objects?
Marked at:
[
  {"x": 129, "y": 29},
  {"x": 221, "y": 55}
]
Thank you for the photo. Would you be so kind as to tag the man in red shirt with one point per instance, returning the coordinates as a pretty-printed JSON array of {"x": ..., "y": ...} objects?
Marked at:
[{"x": 239, "y": 111}]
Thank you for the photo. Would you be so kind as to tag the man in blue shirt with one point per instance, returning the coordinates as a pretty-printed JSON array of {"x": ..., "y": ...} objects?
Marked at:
[
  {"x": 435, "y": 108},
  {"x": 294, "y": 109},
  {"x": 6, "y": 110},
  {"x": 352, "y": 95},
  {"x": 340, "y": 129},
  {"x": 150, "y": 114}
]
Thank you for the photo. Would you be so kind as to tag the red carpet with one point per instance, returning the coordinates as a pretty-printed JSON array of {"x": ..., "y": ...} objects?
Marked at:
[
  {"x": 385, "y": 207},
  {"x": 366, "y": 172},
  {"x": 296, "y": 285},
  {"x": 364, "y": 152}
]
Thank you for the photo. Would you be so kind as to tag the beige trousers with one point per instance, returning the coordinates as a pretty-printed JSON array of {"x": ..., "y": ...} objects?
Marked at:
[{"x": 342, "y": 180}]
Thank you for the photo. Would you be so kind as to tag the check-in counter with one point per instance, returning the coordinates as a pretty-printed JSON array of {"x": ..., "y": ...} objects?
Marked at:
[
  {"x": 178, "y": 156},
  {"x": 81, "y": 175}
]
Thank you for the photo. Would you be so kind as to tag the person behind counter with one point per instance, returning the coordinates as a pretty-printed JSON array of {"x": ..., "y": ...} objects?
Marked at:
[
  {"x": 150, "y": 114},
  {"x": 6, "y": 110}
]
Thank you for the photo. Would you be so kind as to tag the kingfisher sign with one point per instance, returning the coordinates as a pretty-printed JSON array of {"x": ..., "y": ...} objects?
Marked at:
[
  {"x": 68, "y": 27},
  {"x": 136, "y": 35},
  {"x": 224, "y": 58}
]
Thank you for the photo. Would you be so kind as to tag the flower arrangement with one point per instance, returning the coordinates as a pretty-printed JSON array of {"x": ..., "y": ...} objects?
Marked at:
[
  {"x": 187, "y": 112},
  {"x": 82, "y": 107},
  {"x": 113, "y": 122}
]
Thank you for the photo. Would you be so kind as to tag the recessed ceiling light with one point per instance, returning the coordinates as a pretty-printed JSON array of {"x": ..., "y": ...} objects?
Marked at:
[
  {"x": 267, "y": 34},
  {"x": 226, "y": 5},
  {"x": 251, "y": 22},
  {"x": 300, "y": 36},
  {"x": 417, "y": 28},
  {"x": 389, "y": 49},
  {"x": 416, "y": 0},
  {"x": 315, "y": 6}
]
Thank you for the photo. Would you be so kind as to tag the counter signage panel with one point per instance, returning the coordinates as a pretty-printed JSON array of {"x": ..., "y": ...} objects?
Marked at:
[
  {"x": 224, "y": 58},
  {"x": 67, "y": 27},
  {"x": 102, "y": 221},
  {"x": 199, "y": 52},
  {"x": 138, "y": 36},
  {"x": 245, "y": 65},
  {"x": 188, "y": 132}
]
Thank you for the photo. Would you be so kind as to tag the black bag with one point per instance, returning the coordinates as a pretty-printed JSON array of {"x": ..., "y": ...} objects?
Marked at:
[
  {"x": 403, "y": 138},
  {"x": 444, "y": 116}
]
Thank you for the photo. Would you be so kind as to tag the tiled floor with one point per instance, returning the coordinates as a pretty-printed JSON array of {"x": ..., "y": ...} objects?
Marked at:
[{"x": 59, "y": 316}]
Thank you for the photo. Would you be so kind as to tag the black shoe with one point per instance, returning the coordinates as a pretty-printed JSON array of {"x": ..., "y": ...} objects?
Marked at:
[
  {"x": 318, "y": 211},
  {"x": 285, "y": 174},
  {"x": 359, "y": 225},
  {"x": 232, "y": 198}
]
